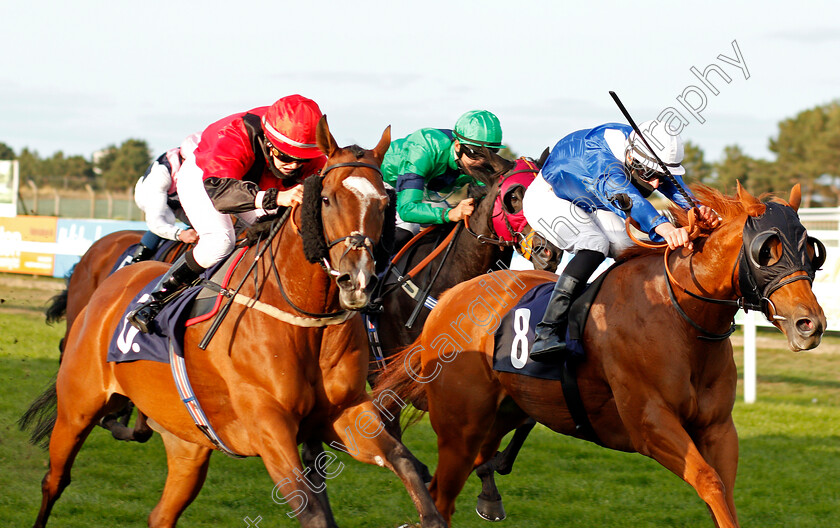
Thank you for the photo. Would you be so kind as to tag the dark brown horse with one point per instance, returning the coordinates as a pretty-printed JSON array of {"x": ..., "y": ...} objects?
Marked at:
[
  {"x": 665, "y": 394},
  {"x": 289, "y": 367},
  {"x": 475, "y": 250}
]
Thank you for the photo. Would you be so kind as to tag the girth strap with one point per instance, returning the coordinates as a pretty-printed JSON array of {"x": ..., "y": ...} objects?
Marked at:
[{"x": 574, "y": 402}]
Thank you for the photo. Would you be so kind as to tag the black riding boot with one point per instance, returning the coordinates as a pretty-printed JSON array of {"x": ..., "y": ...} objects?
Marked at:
[
  {"x": 552, "y": 329},
  {"x": 180, "y": 276},
  {"x": 550, "y": 339},
  {"x": 142, "y": 253}
]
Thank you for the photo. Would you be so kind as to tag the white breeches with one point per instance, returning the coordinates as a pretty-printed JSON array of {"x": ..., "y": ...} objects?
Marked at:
[
  {"x": 571, "y": 228},
  {"x": 216, "y": 236},
  {"x": 150, "y": 195}
]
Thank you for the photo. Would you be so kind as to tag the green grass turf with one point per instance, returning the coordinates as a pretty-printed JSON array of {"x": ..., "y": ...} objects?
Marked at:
[{"x": 790, "y": 459}]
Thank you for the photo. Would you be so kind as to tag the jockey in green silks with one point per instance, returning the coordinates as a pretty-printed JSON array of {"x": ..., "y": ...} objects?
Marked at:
[{"x": 432, "y": 168}]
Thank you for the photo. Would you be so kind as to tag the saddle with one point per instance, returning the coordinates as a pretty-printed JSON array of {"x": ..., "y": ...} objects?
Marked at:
[{"x": 194, "y": 305}]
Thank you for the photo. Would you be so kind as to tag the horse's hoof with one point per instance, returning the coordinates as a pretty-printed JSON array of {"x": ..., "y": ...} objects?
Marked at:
[
  {"x": 142, "y": 436},
  {"x": 492, "y": 511}
]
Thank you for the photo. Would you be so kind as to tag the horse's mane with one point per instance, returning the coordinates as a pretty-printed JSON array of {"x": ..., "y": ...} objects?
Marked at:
[
  {"x": 474, "y": 190},
  {"x": 727, "y": 207}
]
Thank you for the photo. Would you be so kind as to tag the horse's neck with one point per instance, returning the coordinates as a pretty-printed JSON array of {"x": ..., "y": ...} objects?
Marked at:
[
  {"x": 307, "y": 285},
  {"x": 471, "y": 257},
  {"x": 710, "y": 271}
]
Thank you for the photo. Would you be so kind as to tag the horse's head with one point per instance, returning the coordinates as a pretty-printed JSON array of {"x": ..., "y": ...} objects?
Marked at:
[
  {"x": 344, "y": 213},
  {"x": 509, "y": 221},
  {"x": 777, "y": 265}
]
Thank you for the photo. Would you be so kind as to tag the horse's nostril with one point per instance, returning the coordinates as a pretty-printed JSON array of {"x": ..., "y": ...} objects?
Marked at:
[
  {"x": 344, "y": 281},
  {"x": 805, "y": 326}
]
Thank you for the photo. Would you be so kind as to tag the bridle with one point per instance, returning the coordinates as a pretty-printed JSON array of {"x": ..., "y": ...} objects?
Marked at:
[
  {"x": 355, "y": 240},
  {"x": 519, "y": 239},
  {"x": 756, "y": 281}
]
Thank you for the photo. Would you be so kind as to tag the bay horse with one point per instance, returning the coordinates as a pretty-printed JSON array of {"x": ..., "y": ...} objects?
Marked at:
[
  {"x": 289, "y": 370},
  {"x": 668, "y": 394},
  {"x": 476, "y": 249},
  {"x": 96, "y": 264}
]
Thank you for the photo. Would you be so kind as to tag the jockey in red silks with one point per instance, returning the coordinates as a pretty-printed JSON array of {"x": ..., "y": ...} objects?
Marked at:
[
  {"x": 249, "y": 164},
  {"x": 155, "y": 194}
]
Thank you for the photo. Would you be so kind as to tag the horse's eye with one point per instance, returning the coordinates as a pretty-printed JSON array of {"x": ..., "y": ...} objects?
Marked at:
[
  {"x": 325, "y": 200},
  {"x": 771, "y": 251}
]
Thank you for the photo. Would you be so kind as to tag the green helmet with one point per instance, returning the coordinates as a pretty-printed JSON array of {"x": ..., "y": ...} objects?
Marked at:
[{"x": 480, "y": 128}]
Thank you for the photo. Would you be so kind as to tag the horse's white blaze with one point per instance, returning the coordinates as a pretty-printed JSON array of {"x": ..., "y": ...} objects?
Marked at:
[{"x": 366, "y": 192}]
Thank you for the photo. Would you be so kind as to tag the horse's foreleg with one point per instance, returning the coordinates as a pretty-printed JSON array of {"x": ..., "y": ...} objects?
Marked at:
[
  {"x": 186, "y": 470},
  {"x": 719, "y": 446},
  {"x": 664, "y": 439},
  {"x": 503, "y": 462},
  {"x": 311, "y": 451},
  {"x": 293, "y": 483},
  {"x": 360, "y": 432}
]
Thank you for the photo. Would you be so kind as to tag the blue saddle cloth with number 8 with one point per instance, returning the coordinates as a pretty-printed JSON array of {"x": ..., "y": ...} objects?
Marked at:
[{"x": 515, "y": 335}]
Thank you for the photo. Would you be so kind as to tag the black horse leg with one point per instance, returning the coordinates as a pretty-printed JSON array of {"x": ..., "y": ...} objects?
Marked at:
[
  {"x": 490, "y": 505},
  {"x": 391, "y": 418},
  {"x": 117, "y": 423},
  {"x": 309, "y": 452}
]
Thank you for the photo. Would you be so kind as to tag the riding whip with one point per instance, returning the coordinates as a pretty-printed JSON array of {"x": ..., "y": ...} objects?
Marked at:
[{"x": 668, "y": 174}]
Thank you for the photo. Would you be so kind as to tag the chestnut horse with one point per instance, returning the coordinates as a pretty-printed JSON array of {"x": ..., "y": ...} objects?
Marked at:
[
  {"x": 94, "y": 266},
  {"x": 667, "y": 395},
  {"x": 288, "y": 368}
]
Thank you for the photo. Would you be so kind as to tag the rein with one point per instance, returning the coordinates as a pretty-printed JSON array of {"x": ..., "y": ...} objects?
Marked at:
[
  {"x": 757, "y": 300},
  {"x": 671, "y": 280}
]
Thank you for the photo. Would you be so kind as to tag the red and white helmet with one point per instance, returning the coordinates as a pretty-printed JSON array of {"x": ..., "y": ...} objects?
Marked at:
[{"x": 290, "y": 124}]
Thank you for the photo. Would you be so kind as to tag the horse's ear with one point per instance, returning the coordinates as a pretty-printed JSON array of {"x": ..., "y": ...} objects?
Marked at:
[
  {"x": 745, "y": 197},
  {"x": 543, "y": 157},
  {"x": 795, "y": 197},
  {"x": 324, "y": 138},
  {"x": 382, "y": 147}
]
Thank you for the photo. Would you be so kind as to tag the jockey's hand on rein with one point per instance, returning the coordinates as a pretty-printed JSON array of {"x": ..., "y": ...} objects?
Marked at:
[
  {"x": 293, "y": 196},
  {"x": 464, "y": 208},
  {"x": 674, "y": 236}
]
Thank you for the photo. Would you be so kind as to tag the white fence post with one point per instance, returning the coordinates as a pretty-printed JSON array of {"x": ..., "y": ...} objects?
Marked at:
[{"x": 749, "y": 357}]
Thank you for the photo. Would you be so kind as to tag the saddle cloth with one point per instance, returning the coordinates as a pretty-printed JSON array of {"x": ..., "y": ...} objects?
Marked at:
[
  {"x": 516, "y": 333},
  {"x": 130, "y": 344}
]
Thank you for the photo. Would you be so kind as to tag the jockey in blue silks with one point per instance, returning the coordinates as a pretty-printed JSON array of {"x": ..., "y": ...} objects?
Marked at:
[{"x": 574, "y": 203}]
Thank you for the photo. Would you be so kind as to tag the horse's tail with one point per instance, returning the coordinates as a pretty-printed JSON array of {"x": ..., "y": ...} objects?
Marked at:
[
  {"x": 401, "y": 377},
  {"x": 57, "y": 306},
  {"x": 40, "y": 417}
]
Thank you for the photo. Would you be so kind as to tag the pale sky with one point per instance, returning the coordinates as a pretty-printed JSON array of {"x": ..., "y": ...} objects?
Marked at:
[{"x": 78, "y": 76}]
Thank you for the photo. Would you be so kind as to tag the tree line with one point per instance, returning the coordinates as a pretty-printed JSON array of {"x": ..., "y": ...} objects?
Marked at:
[
  {"x": 115, "y": 168},
  {"x": 807, "y": 149}
]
